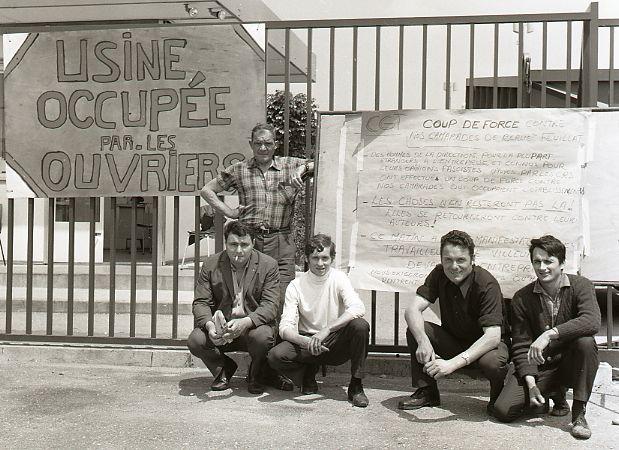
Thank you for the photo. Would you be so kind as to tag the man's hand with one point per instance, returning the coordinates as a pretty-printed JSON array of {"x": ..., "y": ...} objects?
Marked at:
[
  {"x": 535, "y": 396},
  {"x": 536, "y": 351},
  {"x": 295, "y": 178},
  {"x": 438, "y": 368},
  {"x": 236, "y": 327},
  {"x": 215, "y": 338},
  {"x": 235, "y": 213},
  {"x": 425, "y": 352},
  {"x": 314, "y": 345}
]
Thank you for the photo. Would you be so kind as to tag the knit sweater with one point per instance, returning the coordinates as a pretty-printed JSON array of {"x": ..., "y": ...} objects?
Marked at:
[
  {"x": 314, "y": 302},
  {"x": 578, "y": 316}
]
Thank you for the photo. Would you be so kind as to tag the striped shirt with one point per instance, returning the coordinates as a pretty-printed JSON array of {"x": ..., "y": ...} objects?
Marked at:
[{"x": 268, "y": 197}]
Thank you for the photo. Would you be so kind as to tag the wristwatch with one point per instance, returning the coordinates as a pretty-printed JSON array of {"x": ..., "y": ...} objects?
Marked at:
[{"x": 466, "y": 357}]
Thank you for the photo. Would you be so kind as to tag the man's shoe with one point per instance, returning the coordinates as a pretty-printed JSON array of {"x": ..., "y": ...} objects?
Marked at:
[
  {"x": 490, "y": 409},
  {"x": 281, "y": 382},
  {"x": 309, "y": 380},
  {"x": 222, "y": 380},
  {"x": 357, "y": 396},
  {"x": 560, "y": 407},
  {"x": 425, "y": 396},
  {"x": 309, "y": 387},
  {"x": 254, "y": 387},
  {"x": 580, "y": 428}
]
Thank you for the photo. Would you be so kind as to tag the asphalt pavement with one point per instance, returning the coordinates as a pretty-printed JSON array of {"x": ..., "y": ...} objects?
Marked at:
[{"x": 82, "y": 406}]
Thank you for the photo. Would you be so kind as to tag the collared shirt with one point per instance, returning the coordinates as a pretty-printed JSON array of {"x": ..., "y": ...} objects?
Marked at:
[
  {"x": 268, "y": 196},
  {"x": 465, "y": 316},
  {"x": 551, "y": 304},
  {"x": 238, "y": 279}
]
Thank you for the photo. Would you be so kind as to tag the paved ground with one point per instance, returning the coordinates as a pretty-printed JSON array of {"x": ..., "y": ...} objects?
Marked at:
[{"x": 86, "y": 406}]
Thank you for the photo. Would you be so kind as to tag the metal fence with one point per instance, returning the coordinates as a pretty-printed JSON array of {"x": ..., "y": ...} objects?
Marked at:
[{"x": 373, "y": 64}]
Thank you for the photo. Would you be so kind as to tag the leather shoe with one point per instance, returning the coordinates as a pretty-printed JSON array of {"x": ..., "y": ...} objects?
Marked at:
[
  {"x": 425, "y": 396},
  {"x": 580, "y": 428},
  {"x": 281, "y": 382},
  {"x": 309, "y": 380},
  {"x": 357, "y": 396},
  {"x": 254, "y": 387},
  {"x": 560, "y": 406},
  {"x": 222, "y": 380}
]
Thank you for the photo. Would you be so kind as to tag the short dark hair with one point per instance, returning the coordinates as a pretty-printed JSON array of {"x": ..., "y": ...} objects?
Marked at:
[
  {"x": 239, "y": 229},
  {"x": 318, "y": 243},
  {"x": 262, "y": 126},
  {"x": 460, "y": 239},
  {"x": 551, "y": 245}
]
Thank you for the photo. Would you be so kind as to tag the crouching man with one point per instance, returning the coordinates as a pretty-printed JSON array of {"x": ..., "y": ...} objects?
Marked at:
[
  {"x": 470, "y": 302},
  {"x": 322, "y": 324},
  {"x": 237, "y": 299},
  {"x": 554, "y": 321}
]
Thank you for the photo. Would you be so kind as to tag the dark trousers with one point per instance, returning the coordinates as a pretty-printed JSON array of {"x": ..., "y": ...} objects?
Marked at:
[
  {"x": 348, "y": 343},
  {"x": 493, "y": 364},
  {"x": 257, "y": 342},
  {"x": 576, "y": 369},
  {"x": 280, "y": 246}
]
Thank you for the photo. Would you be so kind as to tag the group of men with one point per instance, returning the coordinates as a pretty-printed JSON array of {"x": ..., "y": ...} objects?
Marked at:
[{"x": 247, "y": 299}]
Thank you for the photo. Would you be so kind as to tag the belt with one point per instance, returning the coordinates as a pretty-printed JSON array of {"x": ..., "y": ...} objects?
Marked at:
[{"x": 266, "y": 232}]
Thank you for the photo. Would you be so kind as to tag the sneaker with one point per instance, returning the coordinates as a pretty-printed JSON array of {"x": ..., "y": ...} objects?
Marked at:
[
  {"x": 357, "y": 396},
  {"x": 580, "y": 428},
  {"x": 425, "y": 396}
]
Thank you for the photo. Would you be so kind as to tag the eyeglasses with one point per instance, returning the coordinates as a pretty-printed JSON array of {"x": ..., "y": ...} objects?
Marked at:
[{"x": 267, "y": 144}]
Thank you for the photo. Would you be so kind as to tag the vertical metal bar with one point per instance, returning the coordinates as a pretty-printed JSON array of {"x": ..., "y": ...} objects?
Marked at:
[
  {"x": 520, "y": 65},
  {"x": 71, "y": 267},
  {"x": 448, "y": 69},
  {"x": 400, "y": 66},
  {"x": 175, "y": 268},
  {"x": 377, "y": 71},
  {"x": 308, "y": 132},
  {"x": 133, "y": 272},
  {"x": 590, "y": 58},
  {"x": 355, "y": 52},
  {"x": 495, "y": 73},
  {"x": 219, "y": 231},
  {"x": 9, "y": 266},
  {"x": 29, "y": 258},
  {"x": 611, "y": 66},
  {"x": 544, "y": 61},
  {"x": 471, "y": 96},
  {"x": 50, "y": 266},
  {"x": 373, "y": 322},
  {"x": 568, "y": 64},
  {"x": 424, "y": 65},
  {"x": 609, "y": 317},
  {"x": 112, "y": 304},
  {"x": 155, "y": 266},
  {"x": 91, "y": 267},
  {"x": 287, "y": 93},
  {"x": 196, "y": 229},
  {"x": 396, "y": 319},
  {"x": 331, "y": 67},
  {"x": 266, "y": 68}
]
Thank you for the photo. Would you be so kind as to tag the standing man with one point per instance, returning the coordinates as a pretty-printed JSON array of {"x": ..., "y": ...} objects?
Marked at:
[
  {"x": 267, "y": 186},
  {"x": 236, "y": 308},
  {"x": 554, "y": 321},
  {"x": 471, "y": 308},
  {"x": 322, "y": 324}
]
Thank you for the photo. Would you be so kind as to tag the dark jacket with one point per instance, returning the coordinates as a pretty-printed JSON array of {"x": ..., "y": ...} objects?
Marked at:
[
  {"x": 578, "y": 316},
  {"x": 214, "y": 289}
]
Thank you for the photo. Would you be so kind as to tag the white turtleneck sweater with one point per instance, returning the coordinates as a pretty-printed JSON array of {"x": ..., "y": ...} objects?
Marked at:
[{"x": 314, "y": 302}]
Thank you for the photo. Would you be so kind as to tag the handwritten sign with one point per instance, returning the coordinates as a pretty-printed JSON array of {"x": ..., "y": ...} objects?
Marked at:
[
  {"x": 130, "y": 112},
  {"x": 503, "y": 176}
]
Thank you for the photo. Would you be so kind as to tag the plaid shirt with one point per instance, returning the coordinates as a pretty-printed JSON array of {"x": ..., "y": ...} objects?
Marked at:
[{"x": 268, "y": 197}]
